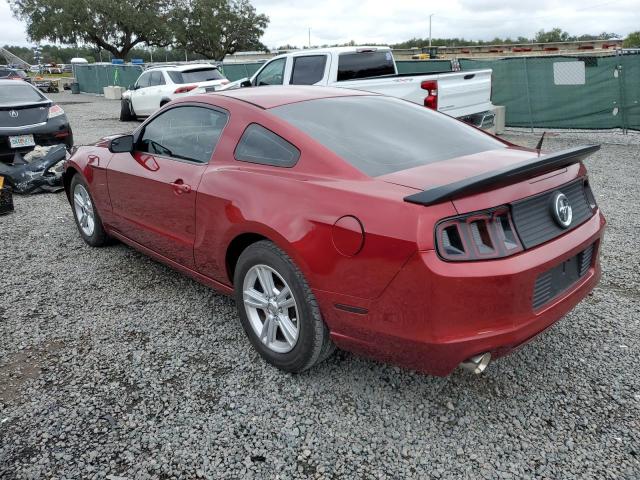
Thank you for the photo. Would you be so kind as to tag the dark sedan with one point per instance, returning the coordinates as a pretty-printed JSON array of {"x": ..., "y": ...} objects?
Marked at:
[
  {"x": 28, "y": 118},
  {"x": 14, "y": 74}
]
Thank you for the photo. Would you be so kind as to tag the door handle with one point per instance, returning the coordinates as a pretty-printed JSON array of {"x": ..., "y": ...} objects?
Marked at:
[{"x": 179, "y": 187}]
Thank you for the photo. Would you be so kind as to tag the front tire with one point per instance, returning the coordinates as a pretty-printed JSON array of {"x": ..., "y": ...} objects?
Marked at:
[
  {"x": 85, "y": 214},
  {"x": 277, "y": 309},
  {"x": 126, "y": 115}
]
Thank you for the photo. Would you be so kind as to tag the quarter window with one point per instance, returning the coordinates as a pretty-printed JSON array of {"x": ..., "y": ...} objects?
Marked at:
[
  {"x": 272, "y": 73},
  {"x": 259, "y": 145},
  {"x": 188, "y": 133},
  {"x": 308, "y": 70}
]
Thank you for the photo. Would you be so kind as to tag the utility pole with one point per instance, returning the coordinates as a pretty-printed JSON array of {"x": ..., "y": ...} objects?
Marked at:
[
  {"x": 431, "y": 15},
  {"x": 309, "y": 37}
]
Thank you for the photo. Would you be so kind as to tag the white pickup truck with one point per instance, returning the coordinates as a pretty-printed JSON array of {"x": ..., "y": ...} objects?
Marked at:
[{"x": 464, "y": 95}]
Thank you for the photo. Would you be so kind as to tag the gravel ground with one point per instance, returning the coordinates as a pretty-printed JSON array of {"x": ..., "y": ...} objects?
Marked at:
[{"x": 114, "y": 366}]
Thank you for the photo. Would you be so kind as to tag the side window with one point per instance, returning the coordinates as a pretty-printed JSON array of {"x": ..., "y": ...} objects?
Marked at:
[
  {"x": 308, "y": 70},
  {"x": 143, "y": 80},
  {"x": 156, "y": 79},
  {"x": 259, "y": 145},
  {"x": 272, "y": 73},
  {"x": 188, "y": 133}
]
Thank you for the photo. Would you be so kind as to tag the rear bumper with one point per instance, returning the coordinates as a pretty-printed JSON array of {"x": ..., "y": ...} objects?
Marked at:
[
  {"x": 55, "y": 131},
  {"x": 436, "y": 314}
]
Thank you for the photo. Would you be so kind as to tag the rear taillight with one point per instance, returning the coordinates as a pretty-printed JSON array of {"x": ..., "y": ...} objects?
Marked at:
[
  {"x": 431, "y": 100},
  {"x": 185, "y": 88},
  {"x": 55, "y": 111},
  {"x": 478, "y": 236}
]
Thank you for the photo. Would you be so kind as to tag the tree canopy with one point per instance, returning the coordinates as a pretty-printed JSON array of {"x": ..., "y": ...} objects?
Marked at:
[
  {"x": 113, "y": 25},
  {"x": 212, "y": 28},
  {"x": 632, "y": 40},
  {"x": 216, "y": 28}
]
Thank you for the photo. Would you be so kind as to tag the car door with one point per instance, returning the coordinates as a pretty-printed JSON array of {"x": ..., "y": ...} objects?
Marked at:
[
  {"x": 139, "y": 94},
  {"x": 156, "y": 91},
  {"x": 272, "y": 73},
  {"x": 308, "y": 70},
  {"x": 153, "y": 189}
]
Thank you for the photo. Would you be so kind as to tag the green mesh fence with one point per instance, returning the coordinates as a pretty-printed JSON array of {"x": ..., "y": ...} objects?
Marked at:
[
  {"x": 423, "y": 66},
  {"x": 566, "y": 92},
  {"x": 236, "y": 71},
  {"x": 93, "y": 78}
]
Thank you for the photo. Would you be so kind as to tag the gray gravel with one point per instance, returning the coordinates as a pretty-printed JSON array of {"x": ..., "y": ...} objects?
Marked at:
[{"x": 114, "y": 366}]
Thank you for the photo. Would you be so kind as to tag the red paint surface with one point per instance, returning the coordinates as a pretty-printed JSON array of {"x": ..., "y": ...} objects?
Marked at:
[{"x": 423, "y": 312}]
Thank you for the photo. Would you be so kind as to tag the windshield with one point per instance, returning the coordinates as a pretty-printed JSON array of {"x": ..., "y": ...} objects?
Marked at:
[
  {"x": 195, "y": 76},
  {"x": 20, "y": 92},
  {"x": 380, "y": 135}
]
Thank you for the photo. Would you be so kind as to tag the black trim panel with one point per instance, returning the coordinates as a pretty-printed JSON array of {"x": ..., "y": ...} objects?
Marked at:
[
  {"x": 351, "y": 309},
  {"x": 505, "y": 176}
]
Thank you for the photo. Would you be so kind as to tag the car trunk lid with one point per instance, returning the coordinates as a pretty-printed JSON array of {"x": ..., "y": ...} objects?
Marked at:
[
  {"x": 23, "y": 114},
  {"x": 489, "y": 178}
]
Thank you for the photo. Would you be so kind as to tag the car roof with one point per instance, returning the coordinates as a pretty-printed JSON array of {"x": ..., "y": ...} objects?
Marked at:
[
  {"x": 275, "y": 96},
  {"x": 354, "y": 49},
  {"x": 182, "y": 68}
]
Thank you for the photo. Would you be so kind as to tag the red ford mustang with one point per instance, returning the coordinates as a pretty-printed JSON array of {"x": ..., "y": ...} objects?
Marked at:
[{"x": 348, "y": 219}]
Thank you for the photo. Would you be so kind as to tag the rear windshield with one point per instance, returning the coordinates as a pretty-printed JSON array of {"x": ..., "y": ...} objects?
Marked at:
[
  {"x": 195, "y": 76},
  {"x": 365, "y": 64},
  {"x": 19, "y": 93},
  {"x": 380, "y": 135}
]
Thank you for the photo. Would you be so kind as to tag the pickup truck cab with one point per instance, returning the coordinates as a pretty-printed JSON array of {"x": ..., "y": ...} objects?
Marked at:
[{"x": 464, "y": 95}]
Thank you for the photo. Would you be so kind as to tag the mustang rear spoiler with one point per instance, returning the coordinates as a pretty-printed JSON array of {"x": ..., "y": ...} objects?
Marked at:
[{"x": 505, "y": 176}]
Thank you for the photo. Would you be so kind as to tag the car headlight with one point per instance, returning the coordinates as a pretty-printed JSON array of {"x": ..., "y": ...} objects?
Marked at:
[{"x": 55, "y": 111}]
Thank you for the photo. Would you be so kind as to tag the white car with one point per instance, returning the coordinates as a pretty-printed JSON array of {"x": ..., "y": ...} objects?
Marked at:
[{"x": 159, "y": 85}]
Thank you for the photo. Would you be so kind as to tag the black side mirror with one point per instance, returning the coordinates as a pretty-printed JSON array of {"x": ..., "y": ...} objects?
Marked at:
[
  {"x": 246, "y": 83},
  {"x": 123, "y": 144}
]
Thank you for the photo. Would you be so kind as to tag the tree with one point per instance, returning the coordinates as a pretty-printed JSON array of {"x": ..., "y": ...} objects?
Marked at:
[
  {"x": 632, "y": 40},
  {"x": 216, "y": 28},
  {"x": 113, "y": 25},
  {"x": 555, "y": 35}
]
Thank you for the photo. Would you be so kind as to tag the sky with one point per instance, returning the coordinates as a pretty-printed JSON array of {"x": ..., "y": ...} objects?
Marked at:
[{"x": 384, "y": 21}]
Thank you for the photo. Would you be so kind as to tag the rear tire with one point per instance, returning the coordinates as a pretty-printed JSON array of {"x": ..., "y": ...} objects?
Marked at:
[
  {"x": 85, "y": 214},
  {"x": 284, "y": 325},
  {"x": 126, "y": 115}
]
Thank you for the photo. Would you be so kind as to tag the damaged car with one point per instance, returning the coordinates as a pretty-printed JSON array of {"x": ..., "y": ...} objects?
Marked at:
[
  {"x": 27, "y": 119},
  {"x": 39, "y": 170}
]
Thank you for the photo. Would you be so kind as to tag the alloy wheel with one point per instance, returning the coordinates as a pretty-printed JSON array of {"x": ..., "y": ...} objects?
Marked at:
[
  {"x": 271, "y": 308},
  {"x": 84, "y": 210}
]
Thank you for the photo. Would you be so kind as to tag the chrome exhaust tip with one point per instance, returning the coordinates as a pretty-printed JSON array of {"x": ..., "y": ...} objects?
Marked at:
[{"x": 477, "y": 364}]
